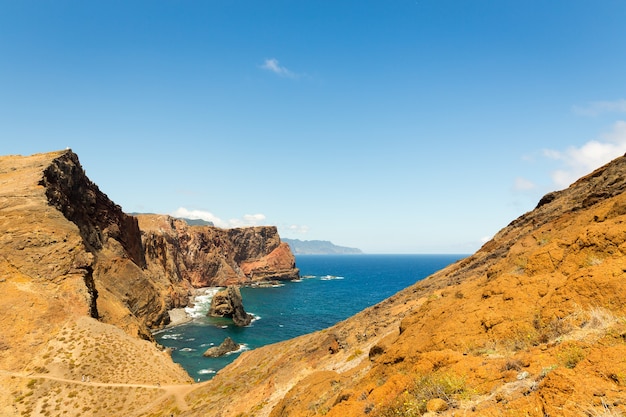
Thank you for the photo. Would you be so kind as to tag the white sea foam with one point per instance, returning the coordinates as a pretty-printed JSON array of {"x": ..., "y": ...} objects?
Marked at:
[
  {"x": 175, "y": 336},
  {"x": 330, "y": 277},
  {"x": 206, "y": 371},
  {"x": 186, "y": 349},
  {"x": 242, "y": 347},
  {"x": 202, "y": 303}
]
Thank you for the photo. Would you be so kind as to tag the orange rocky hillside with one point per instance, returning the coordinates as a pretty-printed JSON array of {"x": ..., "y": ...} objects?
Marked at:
[{"x": 533, "y": 324}]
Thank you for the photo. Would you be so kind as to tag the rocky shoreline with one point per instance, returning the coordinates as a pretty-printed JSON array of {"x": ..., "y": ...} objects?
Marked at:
[{"x": 178, "y": 316}]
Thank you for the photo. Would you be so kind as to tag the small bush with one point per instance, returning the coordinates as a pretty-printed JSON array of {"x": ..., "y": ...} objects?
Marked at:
[
  {"x": 570, "y": 356},
  {"x": 412, "y": 402}
]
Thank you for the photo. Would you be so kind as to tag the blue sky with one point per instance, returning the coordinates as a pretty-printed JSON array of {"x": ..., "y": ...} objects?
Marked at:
[{"x": 420, "y": 126}]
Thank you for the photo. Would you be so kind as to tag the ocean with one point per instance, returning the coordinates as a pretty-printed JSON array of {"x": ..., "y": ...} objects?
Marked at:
[{"x": 332, "y": 288}]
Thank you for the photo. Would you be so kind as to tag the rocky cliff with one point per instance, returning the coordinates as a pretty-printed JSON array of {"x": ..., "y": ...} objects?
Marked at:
[
  {"x": 75, "y": 271},
  {"x": 132, "y": 276},
  {"x": 209, "y": 256}
]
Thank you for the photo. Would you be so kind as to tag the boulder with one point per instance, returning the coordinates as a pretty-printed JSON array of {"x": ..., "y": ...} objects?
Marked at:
[
  {"x": 436, "y": 405},
  {"x": 228, "y": 345},
  {"x": 228, "y": 303}
]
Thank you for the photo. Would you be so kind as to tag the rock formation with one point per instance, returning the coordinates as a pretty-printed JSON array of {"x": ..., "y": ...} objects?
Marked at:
[
  {"x": 207, "y": 256},
  {"x": 228, "y": 345},
  {"x": 228, "y": 303},
  {"x": 75, "y": 271}
]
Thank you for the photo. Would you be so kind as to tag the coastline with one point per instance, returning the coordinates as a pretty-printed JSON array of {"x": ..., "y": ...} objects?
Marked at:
[{"x": 181, "y": 315}]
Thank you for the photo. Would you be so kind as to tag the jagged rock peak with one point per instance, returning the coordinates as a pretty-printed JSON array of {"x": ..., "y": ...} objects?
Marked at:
[{"x": 81, "y": 201}]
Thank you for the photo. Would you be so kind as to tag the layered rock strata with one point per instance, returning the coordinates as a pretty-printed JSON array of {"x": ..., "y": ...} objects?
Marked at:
[{"x": 207, "y": 256}]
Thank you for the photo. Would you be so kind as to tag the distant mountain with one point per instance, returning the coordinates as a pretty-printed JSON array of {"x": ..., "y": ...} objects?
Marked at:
[
  {"x": 318, "y": 247},
  {"x": 197, "y": 222},
  {"x": 190, "y": 222}
]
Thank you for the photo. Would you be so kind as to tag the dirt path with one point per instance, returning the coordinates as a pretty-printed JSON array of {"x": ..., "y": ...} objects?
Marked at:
[{"x": 177, "y": 391}]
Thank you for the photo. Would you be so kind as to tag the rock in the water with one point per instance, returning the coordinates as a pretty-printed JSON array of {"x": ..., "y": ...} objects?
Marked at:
[
  {"x": 228, "y": 345},
  {"x": 228, "y": 303}
]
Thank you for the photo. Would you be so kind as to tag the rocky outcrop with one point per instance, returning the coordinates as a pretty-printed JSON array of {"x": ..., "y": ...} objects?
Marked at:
[
  {"x": 228, "y": 303},
  {"x": 227, "y": 346},
  {"x": 129, "y": 277},
  {"x": 109, "y": 258},
  {"x": 207, "y": 256},
  {"x": 81, "y": 201}
]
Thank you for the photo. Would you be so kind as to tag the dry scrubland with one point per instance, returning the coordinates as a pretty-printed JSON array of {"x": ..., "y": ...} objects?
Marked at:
[{"x": 533, "y": 324}]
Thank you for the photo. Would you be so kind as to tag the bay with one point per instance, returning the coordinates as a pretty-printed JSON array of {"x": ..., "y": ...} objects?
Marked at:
[{"x": 332, "y": 288}]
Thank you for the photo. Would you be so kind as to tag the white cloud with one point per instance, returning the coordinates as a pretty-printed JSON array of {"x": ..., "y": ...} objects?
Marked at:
[
  {"x": 522, "y": 184},
  {"x": 247, "y": 220},
  {"x": 596, "y": 108},
  {"x": 274, "y": 66},
  {"x": 298, "y": 229},
  {"x": 579, "y": 161}
]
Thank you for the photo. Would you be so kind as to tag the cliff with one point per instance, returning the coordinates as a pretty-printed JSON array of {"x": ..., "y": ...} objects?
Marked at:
[
  {"x": 534, "y": 323},
  {"x": 206, "y": 256},
  {"x": 81, "y": 284}
]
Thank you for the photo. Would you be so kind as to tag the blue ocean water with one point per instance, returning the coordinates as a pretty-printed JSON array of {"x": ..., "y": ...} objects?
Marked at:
[{"x": 332, "y": 288}]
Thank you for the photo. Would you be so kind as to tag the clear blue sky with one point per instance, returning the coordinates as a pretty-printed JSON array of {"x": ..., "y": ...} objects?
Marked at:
[{"x": 398, "y": 126}]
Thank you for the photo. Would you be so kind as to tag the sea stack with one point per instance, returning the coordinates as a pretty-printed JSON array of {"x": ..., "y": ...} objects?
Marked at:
[
  {"x": 228, "y": 303},
  {"x": 228, "y": 345}
]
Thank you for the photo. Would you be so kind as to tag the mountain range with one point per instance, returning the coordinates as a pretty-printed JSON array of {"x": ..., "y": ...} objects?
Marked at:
[{"x": 318, "y": 247}]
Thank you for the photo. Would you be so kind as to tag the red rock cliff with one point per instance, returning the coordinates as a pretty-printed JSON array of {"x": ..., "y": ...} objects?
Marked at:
[{"x": 210, "y": 256}]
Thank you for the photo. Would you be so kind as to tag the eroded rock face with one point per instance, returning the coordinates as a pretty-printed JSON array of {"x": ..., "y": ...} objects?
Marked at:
[
  {"x": 208, "y": 256},
  {"x": 121, "y": 290},
  {"x": 228, "y": 303},
  {"x": 81, "y": 201}
]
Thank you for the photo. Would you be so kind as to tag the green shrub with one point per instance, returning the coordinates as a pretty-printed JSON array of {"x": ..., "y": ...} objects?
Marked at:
[{"x": 412, "y": 402}]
